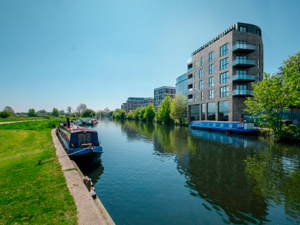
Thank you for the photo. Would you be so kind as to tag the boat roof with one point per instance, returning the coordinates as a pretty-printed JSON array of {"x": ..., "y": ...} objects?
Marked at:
[{"x": 78, "y": 129}]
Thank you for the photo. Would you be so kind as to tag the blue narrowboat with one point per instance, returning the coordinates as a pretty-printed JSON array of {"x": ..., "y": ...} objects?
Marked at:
[
  {"x": 81, "y": 144},
  {"x": 234, "y": 127}
]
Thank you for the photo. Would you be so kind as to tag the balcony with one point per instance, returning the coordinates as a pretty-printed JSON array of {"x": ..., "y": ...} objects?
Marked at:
[
  {"x": 190, "y": 90},
  {"x": 243, "y": 63},
  {"x": 243, "y": 48},
  {"x": 190, "y": 80},
  {"x": 244, "y": 93},
  {"x": 190, "y": 100},
  {"x": 190, "y": 70},
  {"x": 189, "y": 60},
  {"x": 243, "y": 78}
]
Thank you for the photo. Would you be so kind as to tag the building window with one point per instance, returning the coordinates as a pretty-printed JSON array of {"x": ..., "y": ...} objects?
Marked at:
[
  {"x": 211, "y": 56},
  {"x": 224, "y": 63},
  {"x": 195, "y": 65},
  {"x": 258, "y": 63},
  {"x": 195, "y": 97},
  {"x": 201, "y": 73},
  {"x": 224, "y": 91},
  {"x": 224, "y": 50},
  {"x": 241, "y": 42},
  {"x": 211, "y": 81},
  {"x": 223, "y": 110},
  {"x": 195, "y": 75},
  {"x": 202, "y": 61},
  {"x": 241, "y": 72},
  {"x": 203, "y": 112},
  {"x": 258, "y": 49},
  {"x": 241, "y": 87},
  {"x": 211, "y": 69},
  {"x": 201, "y": 84},
  {"x": 195, "y": 86},
  {"x": 211, "y": 114},
  {"x": 224, "y": 77},
  {"x": 258, "y": 76},
  {"x": 195, "y": 112},
  {"x": 243, "y": 29},
  {"x": 258, "y": 32},
  {"x": 201, "y": 95},
  {"x": 211, "y": 94}
]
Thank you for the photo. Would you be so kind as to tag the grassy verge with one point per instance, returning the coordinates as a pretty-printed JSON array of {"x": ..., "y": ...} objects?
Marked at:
[
  {"x": 10, "y": 119},
  {"x": 32, "y": 193}
]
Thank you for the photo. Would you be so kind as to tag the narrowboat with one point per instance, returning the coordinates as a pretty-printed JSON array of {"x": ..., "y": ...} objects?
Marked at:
[
  {"x": 230, "y": 127},
  {"x": 92, "y": 121},
  {"x": 81, "y": 144},
  {"x": 84, "y": 120}
]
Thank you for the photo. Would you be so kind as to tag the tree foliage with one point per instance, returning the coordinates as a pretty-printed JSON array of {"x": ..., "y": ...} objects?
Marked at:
[
  {"x": 88, "y": 113},
  {"x": 130, "y": 115},
  {"x": 122, "y": 114},
  {"x": 149, "y": 113},
  {"x": 136, "y": 113},
  {"x": 164, "y": 110},
  {"x": 5, "y": 114},
  {"x": 55, "y": 112},
  {"x": 142, "y": 113},
  {"x": 69, "y": 109},
  {"x": 178, "y": 108},
  {"x": 81, "y": 108},
  {"x": 10, "y": 110},
  {"x": 116, "y": 113},
  {"x": 31, "y": 113}
]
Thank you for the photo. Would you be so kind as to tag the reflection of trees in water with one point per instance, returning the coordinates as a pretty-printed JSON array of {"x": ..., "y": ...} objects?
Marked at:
[
  {"x": 137, "y": 130},
  {"x": 275, "y": 173}
]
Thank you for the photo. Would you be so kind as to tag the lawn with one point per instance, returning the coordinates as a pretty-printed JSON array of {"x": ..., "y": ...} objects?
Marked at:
[
  {"x": 32, "y": 193},
  {"x": 9, "y": 119}
]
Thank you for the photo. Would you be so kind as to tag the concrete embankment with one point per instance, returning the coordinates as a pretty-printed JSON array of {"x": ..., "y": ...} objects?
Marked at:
[{"x": 90, "y": 211}]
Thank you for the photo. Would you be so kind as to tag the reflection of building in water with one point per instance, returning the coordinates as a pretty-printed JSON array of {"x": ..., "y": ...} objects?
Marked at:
[{"x": 214, "y": 167}]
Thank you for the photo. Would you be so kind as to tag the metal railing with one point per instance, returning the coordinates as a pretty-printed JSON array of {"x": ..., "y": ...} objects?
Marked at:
[
  {"x": 190, "y": 80},
  {"x": 190, "y": 70},
  {"x": 190, "y": 100},
  {"x": 244, "y": 62},
  {"x": 190, "y": 90},
  {"x": 242, "y": 92},
  {"x": 243, "y": 77},
  {"x": 243, "y": 47}
]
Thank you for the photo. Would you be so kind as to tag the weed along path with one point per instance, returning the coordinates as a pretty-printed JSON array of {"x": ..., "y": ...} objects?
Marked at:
[{"x": 51, "y": 192}]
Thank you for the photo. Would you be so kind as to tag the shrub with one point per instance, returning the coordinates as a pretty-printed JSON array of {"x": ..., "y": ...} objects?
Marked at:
[
  {"x": 88, "y": 113},
  {"x": 5, "y": 114}
]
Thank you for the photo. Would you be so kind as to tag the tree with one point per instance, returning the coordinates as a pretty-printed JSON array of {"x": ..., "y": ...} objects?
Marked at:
[
  {"x": 10, "y": 110},
  {"x": 122, "y": 114},
  {"x": 116, "y": 113},
  {"x": 31, "y": 113},
  {"x": 106, "y": 110},
  {"x": 178, "y": 107},
  {"x": 271, "y": 98},
  {"x": 136, "y": 113},
  {"x": 81, "y": 108},
  {"x": 5, "y": 114},
  {"x": 149, "y": 113},
  {"x": 130, "y": 115},
  {"x": 88, "y": 113},
  {"x": 69, "y": 109},
  {"x": 62, "y": 112},
  {"x": 42, "y": 112},
  {"x": 55, "y": 112},
  {"x": 164, "y": 110},
  {"x": 142, "y": 113}
]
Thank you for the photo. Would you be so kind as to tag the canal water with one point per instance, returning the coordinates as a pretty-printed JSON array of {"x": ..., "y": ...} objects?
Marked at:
[{"x": 162, "y": 174}]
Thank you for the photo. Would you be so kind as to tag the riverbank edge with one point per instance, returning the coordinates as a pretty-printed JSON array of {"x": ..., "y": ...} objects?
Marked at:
[{"x": 89, "y": 211}]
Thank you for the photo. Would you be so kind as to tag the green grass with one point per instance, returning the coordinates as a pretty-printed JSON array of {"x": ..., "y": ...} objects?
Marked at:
[
  {"x": 32, "y": 193},
  {"x": 10, "y": 119}
]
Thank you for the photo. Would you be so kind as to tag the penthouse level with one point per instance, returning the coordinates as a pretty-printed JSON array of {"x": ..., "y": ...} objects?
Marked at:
[{"x": 220, "y": 73}]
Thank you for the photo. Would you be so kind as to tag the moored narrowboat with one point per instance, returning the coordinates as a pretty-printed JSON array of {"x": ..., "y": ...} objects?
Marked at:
[
  {"x": 234, "y": 127},
  {"x": 81, "y": 144}
]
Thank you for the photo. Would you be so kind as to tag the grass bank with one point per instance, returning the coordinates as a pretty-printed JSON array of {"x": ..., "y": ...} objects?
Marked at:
[{"x": 32, "y": 193}]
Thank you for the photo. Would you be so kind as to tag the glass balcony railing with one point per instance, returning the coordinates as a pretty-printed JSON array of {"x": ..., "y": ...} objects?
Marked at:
[
  {"x": 190, "y": 100},
  {"x": 243, "y": 48},
  {"x": 190, "y": 90},
  {"x": 190, "y": 69},
  {"x": 242, "y": 92},
  {"x": 243, "y": 63},
  {"x": 190, "y": 60},
  {"x": 243, "y": 77},
  {"x": 190, "y": 80}
]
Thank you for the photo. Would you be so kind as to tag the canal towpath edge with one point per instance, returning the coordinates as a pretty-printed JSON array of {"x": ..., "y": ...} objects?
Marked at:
[{"x": 87, "y": 210}]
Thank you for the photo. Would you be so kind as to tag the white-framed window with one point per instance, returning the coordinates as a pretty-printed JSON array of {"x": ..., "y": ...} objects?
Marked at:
[
  {"x": 201, "y": 73},
  {"x": 211, "y": 69},
  {"x": 211, "y": 56},
  {"x": 211, "y": 81},
  {"x": 201, "y": 84},
  {"x": 224, "y": 91},
  {"x": 224, "y": 77},
  {"x": 211, "y": 94}
]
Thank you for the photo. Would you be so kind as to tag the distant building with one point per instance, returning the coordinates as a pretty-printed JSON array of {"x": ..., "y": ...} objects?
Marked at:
[
  {"x": 161, "y": 92},
  {"x": 148, "y": 101},
  {"x": 181, "y": 85},
  {"x": 124, "y": 106},
  {"x": 221, "y": 73}
]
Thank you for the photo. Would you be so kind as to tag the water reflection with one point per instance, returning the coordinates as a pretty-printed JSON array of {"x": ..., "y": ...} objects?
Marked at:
[{"x": 241, "y": 180}]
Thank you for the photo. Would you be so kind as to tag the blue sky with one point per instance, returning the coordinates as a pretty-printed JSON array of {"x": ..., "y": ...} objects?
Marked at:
[{"x": 63, "y": 53}]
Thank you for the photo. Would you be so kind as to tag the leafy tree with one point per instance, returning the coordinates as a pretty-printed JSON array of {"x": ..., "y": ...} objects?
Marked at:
[
  {"x": 149, "y": 113},
  {"x": 42, "y": 112},
  {"x": 130, "y": 115},
  {"x": 110, "y": 114},
  {"x": 122, "y": 114},
  {"x": 75, "y": 114},
  {"x": 164, "y": 110},
  {"x": 5, "y": 114},
  {"x": 178, "y": 107},
  {"x": 88, "y": 113},
  {"x": 31, "y": 113},
  {"x": 116, "y": 113},
  {"x": 106, "y": 110},
  {"x": 55, "y": 112},
  {"x": 136, "y": 113},
  {"x": 142, "y": 113},
  {"x": 10, "y": 110},
  {"x": 81, "y": 108}
]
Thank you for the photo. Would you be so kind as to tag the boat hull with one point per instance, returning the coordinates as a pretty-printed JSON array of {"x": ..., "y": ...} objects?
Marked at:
[{"x": 88, "y": 158}]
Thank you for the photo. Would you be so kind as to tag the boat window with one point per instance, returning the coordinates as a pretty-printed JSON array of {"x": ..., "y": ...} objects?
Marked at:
[
  {"x": 230, "y": 125},
  {"x": 214, "y": 124},
  {"x": 87, "y": 138},
  {"x": 221, "y": 125},
  {"x": 81, "y": 139}
]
